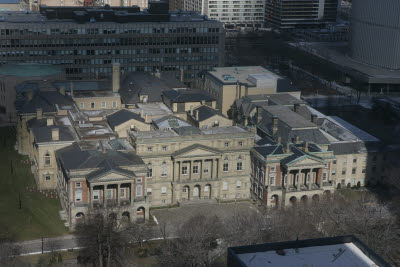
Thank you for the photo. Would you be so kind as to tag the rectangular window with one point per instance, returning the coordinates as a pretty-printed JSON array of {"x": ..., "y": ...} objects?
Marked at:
[
  {"x": 355, "y": 160},
  {"x": 78, "y": 196},
  {"x": 109, "y": 193},
  {"x": 225, "y": 186},
  {"x": 139, "y": 190},
  {"x": 334, "y": 161},
  {"x": 364, "y": 159},
  {"x": 345, "y": 161},
  {"x": 353, "y": 171},
  {"x": 272, "y": 180},
  {"x": 363, "y": 170},
  {"x": 103, "y": 104},
  {"x": 164, "y": 148},
  {"x": 240, "y": 143},
  {"x": 272, "y": 169},
  {"x": 139, "y": 180},
  {"x": 163, "y": 190},
  {"x": 195, "y": 169},
  {"x": 344, "y": 172},
  {"x": 333, "y": 172},
  {"x": 225, "y": 167},
  {"x": 149, "y": 149},
  {"x": 184, "y": 170},
  {"x": 96, "y": 195},
  {"x": 206, "y": 167},
  {"x": 81, "y": 105},
  {"x": 122, "y": 193},
  {"x": 47, "y": 177},
  {"x": 226, "y": 144},
  {"x": 239, "y": 166},
  {"x": 238, "y": 184},
  {"x": 78, "y": 185},
  {"x": 149, "y": 191},
  {"x": 92, "y": 105},
  {"x": 324, "y": 176},
  {"x": 114, "y": 104}
]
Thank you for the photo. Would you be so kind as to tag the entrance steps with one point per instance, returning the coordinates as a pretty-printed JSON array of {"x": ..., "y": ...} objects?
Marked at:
[{"x": 198, "y": 202}]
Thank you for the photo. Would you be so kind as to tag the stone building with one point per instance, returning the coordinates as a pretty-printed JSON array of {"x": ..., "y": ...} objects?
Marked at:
[
  {"x": 124, "y": 121},
  {"x": 181, "y": 101},
  {"x": 106, "y": 178},
  {"x": 187, "y": 164},
  {"x": 228, "y": 84},
  {"x": 204, "y": 117}
]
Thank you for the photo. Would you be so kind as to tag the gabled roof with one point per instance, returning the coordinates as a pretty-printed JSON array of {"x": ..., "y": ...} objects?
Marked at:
[
  {"x": 170, "y": 122},
  {"x": 205, "y": 112},
  {"x": 44, "y": 134},
  {"x": 194, "y": 147},
  {"x": 297, "y": 155},
  {"x": 107, "y": 167},
  {"x": 270, "y": 150},
  {"x": 45, "y": 100},
  {"x": 188, "y": 95},
  {"x": 121, "y": 117}
]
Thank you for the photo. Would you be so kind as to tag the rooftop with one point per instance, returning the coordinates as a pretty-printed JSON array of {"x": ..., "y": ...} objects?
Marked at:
[
  {"x": 345, "y": 251},
  {"x": 250, "y": 75},
  {"x": 204, "y": 113},
  {"x": 289, "y": 117},
  {"x": 169, "y": 122},
  {"x": 188, "y": 95},
  {"x": 121, "y": 117},
  {"x": 224, "y": 130}
]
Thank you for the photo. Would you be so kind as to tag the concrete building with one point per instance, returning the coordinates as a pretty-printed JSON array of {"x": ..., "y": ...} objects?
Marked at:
[
  {"x": 240, "y": 13},
  {"x": 12, "y": 5},
  {"x": 188, "y": 164},
  {"x": 228, "y": 84},
  {"x": 343, "y": 251},
  {"x": 293, "y": 14},
  {"x": 86, "y": 40},
  {"x": 35, "y": 4}
]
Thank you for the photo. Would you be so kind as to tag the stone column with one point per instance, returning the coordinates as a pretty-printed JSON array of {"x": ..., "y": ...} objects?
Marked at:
[
  {"x": 214, "y": 169},
  {"x": 105, "y": 195},
  {"x": 91, "y": 196},
  {"x": 298, "y": 182},
  {"x": 190, "y": 169},
  {"x": 201, "y": 169},
  {"x": 118, "y": 191},
  {"x": 132, "y": 196}
]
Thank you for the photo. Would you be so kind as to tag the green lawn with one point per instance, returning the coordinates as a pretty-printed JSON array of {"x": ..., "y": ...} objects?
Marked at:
[{"x": 39, "y": 215}]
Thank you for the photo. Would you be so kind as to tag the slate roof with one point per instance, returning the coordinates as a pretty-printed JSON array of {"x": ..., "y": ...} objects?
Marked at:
[
  {"x": 121, "y": 117},
  {"x": 187, "y": 130},
  {"x": 135, "y": 84},
  {"x": 297, "y": 154},
  {"x": 188, "y": 95},
  {"x": 205, "y": 112},
  {"x": 284, "y": 85},
  {"x": 44, "y": 134},
  {"x": 270, "y": 150},
  {"x": 343, "y": 148},
  {"x": 266, "y": 141},
  {"x": 72, "y": 157},
  {"x": 193, "y": 147},
  {"x": 44, "y": 100}
]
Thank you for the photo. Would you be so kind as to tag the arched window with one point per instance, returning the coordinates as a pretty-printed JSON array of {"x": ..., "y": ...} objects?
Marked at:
[
  {"x": 164, "y": 169},
  {"x": 239, "y": 164},
  {"x": 149, "y": 170},
  {"x": 225, "y": 166},
  {"x": 47, "y": 160}
]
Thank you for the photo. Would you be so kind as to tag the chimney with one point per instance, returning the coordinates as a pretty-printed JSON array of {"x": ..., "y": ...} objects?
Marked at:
[
  {"x": 274, "y": 125},
  {"x": 39, "y": 113},
  {"x": 29, "y": 93},
  {"x": 55, "y": 134},
  {"x": 305, "y": 146},
  {"x": 314, "y": 118},
  {"x": 50, "y": 122},
  {"x": 182, "y": 76},
  {"x": 191, "y": 110},
  {"x": 296, "y": 107},
  {"x": 279, "y": 140},
  {"x": 197, "y": 114},
  {"x": 103, "y": 150},
  {"x": 287, "y": 149},
  {"x": 62, "y": 90},
  {"x": 259, "y": 114},
  {"x": 158, "y": 74},
  {"x": 71, "y": 87},
  {"x": 246, "y": 90},
  {"x": 116, "y": 74},
  {"x": 296, "y": 139}
]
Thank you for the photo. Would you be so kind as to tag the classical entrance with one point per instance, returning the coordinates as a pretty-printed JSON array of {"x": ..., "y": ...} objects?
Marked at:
[
  {"x": 196, "y": 192},
  {"x": 207, "y": 191}
]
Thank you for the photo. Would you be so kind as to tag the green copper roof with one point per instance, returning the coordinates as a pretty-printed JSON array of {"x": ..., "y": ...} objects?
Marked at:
[{"x": 29, "y": 70}]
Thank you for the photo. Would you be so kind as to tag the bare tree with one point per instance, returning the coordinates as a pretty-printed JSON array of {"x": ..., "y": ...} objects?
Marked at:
[
  {"x": 8, "y": 250},
  {"x": 102, "y": 238},
  {"x": 197, "y": 240}
]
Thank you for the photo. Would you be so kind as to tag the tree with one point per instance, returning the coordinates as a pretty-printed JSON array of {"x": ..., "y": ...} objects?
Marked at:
[
  {"x": 8, "y": 250},
  {"x": 196, "y": 244},
  {"x": 103, "y": 239}
]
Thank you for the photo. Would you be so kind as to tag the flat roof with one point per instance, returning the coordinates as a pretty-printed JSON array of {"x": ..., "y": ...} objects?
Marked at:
[
  {"x": 289, "y": 117},
  {"x": 230, "y": 75},
  {"x": 342, "y": 255},
  {"x": 30, "y": 69},
  {"x": 337, "y": 55}
]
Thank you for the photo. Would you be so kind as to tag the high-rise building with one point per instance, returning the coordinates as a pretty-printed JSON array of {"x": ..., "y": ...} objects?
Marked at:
[
  {"x": 249, "y": 13},
  {"x": 291, "y": 14},
  {"x": 85, "y": 41}
]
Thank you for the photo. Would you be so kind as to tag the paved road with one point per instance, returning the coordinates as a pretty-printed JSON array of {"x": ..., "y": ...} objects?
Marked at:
[{"x": 60, "y": 243}]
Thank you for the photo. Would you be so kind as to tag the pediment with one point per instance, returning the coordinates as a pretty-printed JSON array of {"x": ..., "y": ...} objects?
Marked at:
[
  {"x": 196, "y": 152},
  {"x": 99, "y": 176},
  {"x": 305, "y": 160}
]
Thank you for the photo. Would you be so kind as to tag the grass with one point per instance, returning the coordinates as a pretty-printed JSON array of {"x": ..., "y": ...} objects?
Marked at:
[
  {"x": 33, "y": 260},
  {"x": 39, "y": 215}
]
